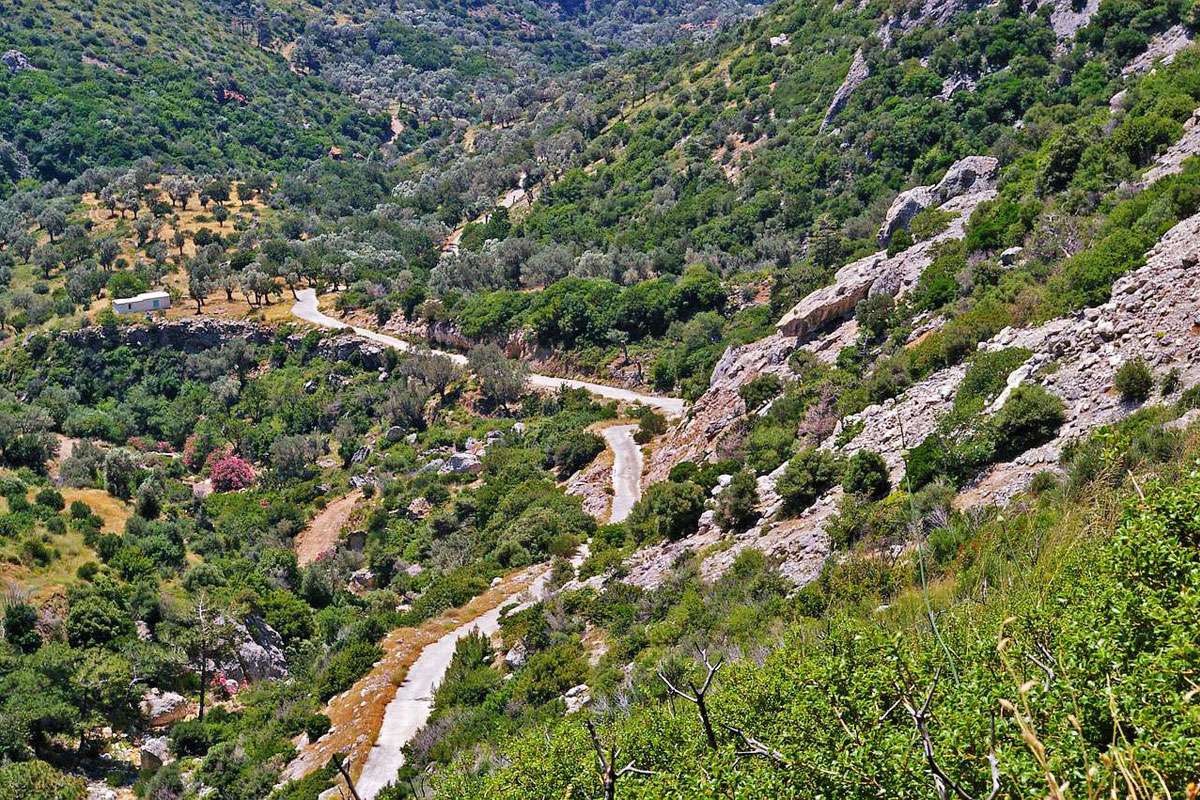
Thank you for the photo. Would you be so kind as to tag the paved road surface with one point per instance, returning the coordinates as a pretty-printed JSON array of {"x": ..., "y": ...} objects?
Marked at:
[
  {"x": 627, "y": 470},
  {"x": 307, "y": 310},
  {"x": 410, "y": 708}
]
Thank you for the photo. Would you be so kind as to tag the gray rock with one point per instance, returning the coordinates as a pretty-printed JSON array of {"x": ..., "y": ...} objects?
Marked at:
[
  {"x": 967, "y": 175},
  {"x": 434, "y": 465},
  {"x": 361, "y": 481},
  {"x": 258, "y": 653},
  {"x": 577, "y": 697},
  {"x": 958, "y": 82},
  {"x": 362, "y": 580},
  {"x": 1009, "y": 257},
  {"x": 361, "y": 454},
  {"x": 907, "y": 205},
  {"x": 855, "y": 76},
  {"x": 154, "y": 753},
  {"x": 163, "y": 708},
  {"x": 462, "y": 463},
  {"x": 420, "y": 508},
  {"x": 98, "y": 791},
  {"x": 516, "y": 655},
  {"x": 1184, "y": 421},
  {"x": 16, "y": 61}
]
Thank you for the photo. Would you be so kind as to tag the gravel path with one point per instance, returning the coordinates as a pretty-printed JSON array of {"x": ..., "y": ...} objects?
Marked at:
[{"x": 322, "y": 534}]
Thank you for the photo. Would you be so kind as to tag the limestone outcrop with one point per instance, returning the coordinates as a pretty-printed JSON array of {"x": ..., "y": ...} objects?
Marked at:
[
  {"x": 258, "y": 653},
  {"x": 1066, "y": 19},
  {"x": 1171, "y": 161},
  {"x": 1162, "y": 50},
  {"x": 199, "y": 333},
  {"x": 857, "y": 73},
  {"x": 713, "y": 422},
  {"x": 967, "y": 184},
  {"x": 971, "y": 174},
  {"x": 1154, "y": 313},
  {"x": 163, "y": 708}
]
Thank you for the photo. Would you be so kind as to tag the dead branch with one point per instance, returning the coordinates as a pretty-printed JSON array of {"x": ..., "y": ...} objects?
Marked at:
[
  {"x": 754, "y": 747},
  {"x": 698, "y": 694},
  {"x": 606, "y": 764},
  {"x": 943, "y": 784},
  {"x": 341, "y": 767}
]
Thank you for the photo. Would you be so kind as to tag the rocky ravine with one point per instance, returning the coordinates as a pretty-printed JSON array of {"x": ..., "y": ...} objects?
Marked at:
[{"x": 1154, "y": 313}]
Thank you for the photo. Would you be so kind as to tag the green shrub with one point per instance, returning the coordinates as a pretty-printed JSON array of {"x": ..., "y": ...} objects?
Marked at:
[
  {"x": 883, "y": 523},
  {"x": 345, "y": 667},
  {"x": 809, "y": 474},
  {"x": 1030, "y": 417},
  {"x": 873, "y": 315},
  {"x": 735, "y": 505},
  {"x": 985, "y": 377},
  {"x": 650, "y": 424},
  {"x": 50, "y": 498},
  {"x": 574, "y": 452},
  {"x": 760, "y": 391},
  {"x": 191, "y": 737},
  {"x": 37, "y": 779},
  {"x": 928, "y": 223},
  {"x": 20, "y": 627},
  {"x": 866, "y": 475},
  {"x": 1134, "y": 381},
  {"x": 549, "y": 674},
  {"x": 667, "y": 510},
  {"x": 1044, "y": 481},
  {"x": 316, "y": 726}
]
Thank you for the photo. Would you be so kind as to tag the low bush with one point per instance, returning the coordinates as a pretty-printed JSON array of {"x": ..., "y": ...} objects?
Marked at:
[
  {"x": 808, "y": 475},
  {"x": 1134, "y": 381},
  {"x": 866, "y": 475},
  {"x": 735, "y": 505},
  {"x": 1030, "y": 417}
]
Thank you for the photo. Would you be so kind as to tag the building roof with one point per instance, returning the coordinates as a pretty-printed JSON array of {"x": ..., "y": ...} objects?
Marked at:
[{"x": 143, "y": 296}]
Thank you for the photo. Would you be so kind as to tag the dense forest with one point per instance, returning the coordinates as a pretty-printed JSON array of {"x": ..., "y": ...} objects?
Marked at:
[{"x": 919, "y": 274}]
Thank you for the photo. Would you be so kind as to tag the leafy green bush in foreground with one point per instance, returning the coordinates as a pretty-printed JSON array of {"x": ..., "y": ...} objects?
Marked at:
[{"x": 1053, "y": 640}]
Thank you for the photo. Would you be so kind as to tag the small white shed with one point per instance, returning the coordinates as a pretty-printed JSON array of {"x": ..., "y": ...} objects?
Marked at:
[{"x": 146, "y": 301}]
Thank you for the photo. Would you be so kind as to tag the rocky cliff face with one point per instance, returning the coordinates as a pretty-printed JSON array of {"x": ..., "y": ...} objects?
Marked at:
[
  {"x": 713, "y": 425},
  {"x": 965, "y": 185},
  {"x": 191, "y": 335},
  {"x": 1154, "y": 314}
]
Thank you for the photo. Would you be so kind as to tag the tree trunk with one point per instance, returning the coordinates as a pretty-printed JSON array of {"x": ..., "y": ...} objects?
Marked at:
[
  {"x": 203, "y": 685},
  {"x": 704, "y": 720}
]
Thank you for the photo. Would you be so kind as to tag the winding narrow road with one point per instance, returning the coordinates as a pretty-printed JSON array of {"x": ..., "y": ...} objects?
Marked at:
[
  {"x": 627, "y": 470},
  {"x": 410, "y": 708},
  {"x": 412, "y": 704},
  {"x": 306, "y": 308}
]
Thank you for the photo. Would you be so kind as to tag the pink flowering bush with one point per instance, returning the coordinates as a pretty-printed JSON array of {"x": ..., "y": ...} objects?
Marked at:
[
  {"x": 201, "y": 448},
  {"x": 223, "y": 685},
  {"x": 230, "y": 473}
]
